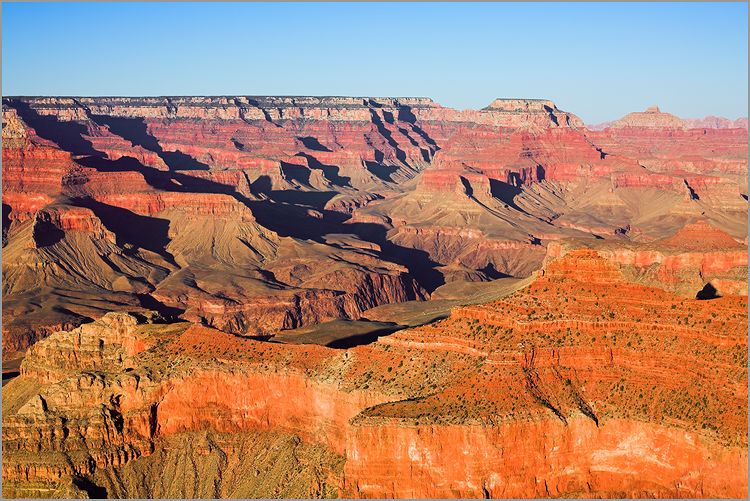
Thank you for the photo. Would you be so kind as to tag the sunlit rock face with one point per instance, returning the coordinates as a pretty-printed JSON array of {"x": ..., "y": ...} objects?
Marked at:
[
  {"x": 582, "y": 384},
  {"x": 162, "y": 258}
]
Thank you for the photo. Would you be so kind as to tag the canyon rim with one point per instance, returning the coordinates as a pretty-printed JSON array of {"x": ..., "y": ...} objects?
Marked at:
[
  {"x": 370, "y": 297},
  {"x": 213, "y": 295}
]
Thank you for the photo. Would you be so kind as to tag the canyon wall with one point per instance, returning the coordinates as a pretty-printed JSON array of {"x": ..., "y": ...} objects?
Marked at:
[
  {"x": 581, "y": 384},
  {"x": 152, "y": 247},
  {"x": 259, "y": 214}
]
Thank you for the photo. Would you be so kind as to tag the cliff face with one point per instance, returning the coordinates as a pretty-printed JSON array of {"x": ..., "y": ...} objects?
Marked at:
[
  {"x": 581, "y": 384},
  {"x": 258, "y": 214},
  {"x": 696, "y": 259}
]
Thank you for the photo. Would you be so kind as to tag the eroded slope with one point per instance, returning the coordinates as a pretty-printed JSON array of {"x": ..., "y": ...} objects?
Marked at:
[
  {"x": 261, "y": 214},
  {"x": 581, "y": 384}
]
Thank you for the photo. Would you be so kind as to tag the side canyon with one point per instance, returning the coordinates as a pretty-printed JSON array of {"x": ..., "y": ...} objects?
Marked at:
[{"x": 371, "y": 297}]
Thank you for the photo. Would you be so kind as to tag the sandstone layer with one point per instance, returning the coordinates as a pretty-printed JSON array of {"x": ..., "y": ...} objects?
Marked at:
[
  {"x": 582, "y": 384},
  {"x": 255, "y": 215}
]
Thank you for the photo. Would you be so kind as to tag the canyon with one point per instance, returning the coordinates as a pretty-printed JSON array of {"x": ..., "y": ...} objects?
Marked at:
[
  {"x": 580, "y": 384},
  {"x": 241, "y": 296}
]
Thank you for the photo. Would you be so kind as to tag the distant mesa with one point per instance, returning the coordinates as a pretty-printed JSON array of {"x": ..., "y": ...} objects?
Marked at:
[
  {"x": 654, "y": 118},
  {"x": 515, "y": 105}
]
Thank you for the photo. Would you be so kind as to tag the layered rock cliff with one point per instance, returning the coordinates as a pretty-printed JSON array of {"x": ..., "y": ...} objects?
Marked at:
[
  {"x": 259, "y": 214},
  {"x": 581, "y": 384},
  {"x": 699, "y": 260}
]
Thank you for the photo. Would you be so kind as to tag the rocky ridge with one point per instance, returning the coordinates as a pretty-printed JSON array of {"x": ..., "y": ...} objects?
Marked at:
[
  {"x": 554, "y": 390},
  {"x": 567, "y": 361},
  {"x": 259, "y": 214},
  {"x": 653, "y": 117}
]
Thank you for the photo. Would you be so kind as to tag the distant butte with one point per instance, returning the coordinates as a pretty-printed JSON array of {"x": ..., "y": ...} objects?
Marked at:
[{"x": 653, "y": 117}]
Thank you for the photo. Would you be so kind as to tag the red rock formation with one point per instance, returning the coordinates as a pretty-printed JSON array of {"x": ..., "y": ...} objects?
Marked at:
[
  {"x": 697, "y": 256},
  {"x": 701, "y": 236},
  {"x": 556, "y": 390},
  {"x": 228, "y": 190}
]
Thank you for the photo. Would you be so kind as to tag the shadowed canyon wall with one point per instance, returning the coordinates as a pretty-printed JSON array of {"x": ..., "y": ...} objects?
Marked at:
[
  {"x": 259, "y": 214},
  {"x": 562, "y": 309}
]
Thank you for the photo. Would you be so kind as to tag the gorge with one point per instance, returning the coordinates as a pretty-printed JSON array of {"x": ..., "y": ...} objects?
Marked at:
[{"x": 242, "y": 296}]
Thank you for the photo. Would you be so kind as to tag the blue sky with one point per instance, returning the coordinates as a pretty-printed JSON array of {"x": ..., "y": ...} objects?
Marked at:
[{"x": 599, "y": 61}]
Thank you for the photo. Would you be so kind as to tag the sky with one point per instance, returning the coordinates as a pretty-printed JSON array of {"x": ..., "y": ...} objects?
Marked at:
[{"x": 599, "y": 61}]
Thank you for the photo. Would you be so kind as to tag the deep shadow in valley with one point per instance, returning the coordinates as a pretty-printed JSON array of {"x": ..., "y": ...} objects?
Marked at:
[
  {"x": 286, "y": 219},
  {"x": 6, "y": 221},
  {"x": 144, "y": 232},
  {"x": 405, "y": 114},
  {"x": 312, "y": 143},
  {"x": 363, "y": 339},
  {"x": 386, "y": 134},
  {"x": 380, "y": 170},
  {"x": 45, "y": 233},
  {"x": 331, "y": 172},
  {"x": 67, "y": 135},
  {"x": 707, "y": 292},
  {"x": 149, "y": 302},
  {"x": 135, "y": 130},
  {"x": 313, "y": 199}
]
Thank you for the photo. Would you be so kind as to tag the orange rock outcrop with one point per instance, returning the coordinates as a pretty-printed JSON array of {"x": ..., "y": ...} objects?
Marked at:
[
  {"x": 582, "y": 384},
  {"x": 697, "y": 256}
]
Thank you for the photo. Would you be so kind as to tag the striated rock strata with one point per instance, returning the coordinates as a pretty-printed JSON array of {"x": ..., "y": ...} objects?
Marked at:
[
  {"x": 582, "y": 384},
  {"x": 696, "y": 261},
  {"x": 255, "y": 215}
]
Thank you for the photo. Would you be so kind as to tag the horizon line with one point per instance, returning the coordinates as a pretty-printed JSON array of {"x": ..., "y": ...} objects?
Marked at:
[{"x": 164, "y": 96}]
